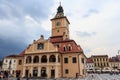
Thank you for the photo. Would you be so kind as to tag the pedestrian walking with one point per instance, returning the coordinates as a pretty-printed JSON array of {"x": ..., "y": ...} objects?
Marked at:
[{"x": 92, "y": 77}]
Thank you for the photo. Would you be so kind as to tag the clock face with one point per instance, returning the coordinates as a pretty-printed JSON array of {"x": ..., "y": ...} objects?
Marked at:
[{"x": 57, "y": 23}]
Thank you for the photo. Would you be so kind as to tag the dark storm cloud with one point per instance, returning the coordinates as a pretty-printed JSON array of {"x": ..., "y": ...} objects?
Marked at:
[
  {"x": 85, "y": 34},
  {"x": 10, "y": 47},
  {"x": 20, "y": 23},
  {"x": 38, "y": 9}
]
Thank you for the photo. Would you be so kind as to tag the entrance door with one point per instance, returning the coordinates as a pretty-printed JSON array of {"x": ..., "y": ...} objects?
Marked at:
[
  {"x": 18, "y": 73},
  {"x": 26, "y": 73},
  {"x": 52, "y": 73},
  {"x": 43, "y": 72},
  {"x": 35, "y": 72}
]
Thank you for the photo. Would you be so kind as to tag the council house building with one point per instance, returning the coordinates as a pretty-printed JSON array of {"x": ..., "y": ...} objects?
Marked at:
[{"x": 57, "y": 56}]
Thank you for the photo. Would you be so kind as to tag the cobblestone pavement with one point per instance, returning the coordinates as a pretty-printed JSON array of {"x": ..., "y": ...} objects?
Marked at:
[
  {"x": 101, "y": 77},
  {"x": 88, "y": 77}
]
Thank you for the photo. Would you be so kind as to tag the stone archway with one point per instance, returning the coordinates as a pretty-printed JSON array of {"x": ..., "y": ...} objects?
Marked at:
[
  {"x": 52, "y": 58},
  {"x": 43, "y": 72},
  {"x": 35, "y": 72}
]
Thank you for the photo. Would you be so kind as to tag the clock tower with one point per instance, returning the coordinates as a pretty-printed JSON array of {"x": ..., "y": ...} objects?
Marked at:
[{"x": 60, "y": 24}]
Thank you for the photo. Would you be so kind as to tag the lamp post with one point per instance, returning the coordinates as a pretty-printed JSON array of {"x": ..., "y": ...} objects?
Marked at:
[{"x": 118, "y": 51}]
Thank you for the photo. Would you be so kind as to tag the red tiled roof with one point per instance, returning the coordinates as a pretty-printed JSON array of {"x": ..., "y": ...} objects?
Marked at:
[
  {"x": 22, "y": 53},
  {"x": 118, "y": 57},
  {"x": 13, "y": 56},
  {"x": 89, "y": 60},
  {"x": 112, "y": 60},
  {"x": 56, "y": 36},
  {"x": 99, "y": 55},
  {"x": 64, "y": 43},
  {"x": 55, "y": 39}
]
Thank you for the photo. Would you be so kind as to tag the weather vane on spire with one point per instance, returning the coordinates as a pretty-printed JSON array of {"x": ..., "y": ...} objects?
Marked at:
[{"x": 60, "y": 3}]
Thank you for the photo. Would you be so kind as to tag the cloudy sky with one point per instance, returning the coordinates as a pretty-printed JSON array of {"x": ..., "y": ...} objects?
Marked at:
[{"x": 95, "y": 24}]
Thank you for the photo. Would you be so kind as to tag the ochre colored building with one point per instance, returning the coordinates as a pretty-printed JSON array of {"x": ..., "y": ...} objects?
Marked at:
[
  {"x": 58, "y": 56},
  {"x": 20, "y": 64},
  {"x": 100, "y": 61}
]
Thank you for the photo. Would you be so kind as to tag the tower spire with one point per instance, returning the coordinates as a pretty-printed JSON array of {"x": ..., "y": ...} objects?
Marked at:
[
  {"x": 60, "y": 8},
  {"x": 60, "y": 24},
  {"x": 60, "y": 3}
]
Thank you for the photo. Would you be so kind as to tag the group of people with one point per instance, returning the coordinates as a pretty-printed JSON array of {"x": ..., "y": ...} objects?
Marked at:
[{"x": 4, "y": 74}]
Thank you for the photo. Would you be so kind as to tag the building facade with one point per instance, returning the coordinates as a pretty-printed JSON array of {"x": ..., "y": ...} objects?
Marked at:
[
  {"x": 100, "y": 61},
  {"x": 20, "y": 64},
  {"x": 114, "y": 64},
  {"x": 9, "y": 64},
  {"x": 90, "y": 65},
  {"x": 58, "y": 56}
]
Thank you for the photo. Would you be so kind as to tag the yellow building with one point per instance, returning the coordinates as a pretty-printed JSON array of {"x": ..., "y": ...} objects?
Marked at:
[
  {"x": 20, "y": 63},
  {"x": 58, "y": 56},
  {"x": 101, "y": 62}
]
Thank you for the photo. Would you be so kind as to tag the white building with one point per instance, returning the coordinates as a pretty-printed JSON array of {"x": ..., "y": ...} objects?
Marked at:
[
  {"x": 90, "y": 65},
  {"x": 9, "y": 64}
]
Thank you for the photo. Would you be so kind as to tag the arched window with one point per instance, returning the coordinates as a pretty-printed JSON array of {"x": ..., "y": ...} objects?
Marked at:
[
  {"x": 44, "y": 59},
  {"x": 28, "y": 59},
  {"x": 35, "y": 71},
  {"x": 43, "y": 72},
  {"x": 52, "y": 58},
  {"x": 36, "y": 59},
  {"x": 40, "y": 46}
]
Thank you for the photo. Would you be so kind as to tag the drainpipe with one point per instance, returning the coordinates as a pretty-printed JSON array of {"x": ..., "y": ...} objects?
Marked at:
[
  {"x": 61, "y": 65},
  {"x": 78, "y": 64}
]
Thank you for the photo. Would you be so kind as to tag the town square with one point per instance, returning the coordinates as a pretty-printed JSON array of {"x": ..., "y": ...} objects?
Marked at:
[{"x": 55, "y": 40}]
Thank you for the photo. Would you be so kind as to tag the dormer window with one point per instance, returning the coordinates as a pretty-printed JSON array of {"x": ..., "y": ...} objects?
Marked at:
[
  {"x": 64, "y": 48},
  {"x": 40, "y": 46},
  {"x": 58, "y": 46},
  {"x": 69, "y": 47}
]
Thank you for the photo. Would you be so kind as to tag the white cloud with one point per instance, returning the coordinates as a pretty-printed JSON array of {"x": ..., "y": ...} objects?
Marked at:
[
  {"x": 103, "y": 20},
  {"x": 28, "y": 21}
]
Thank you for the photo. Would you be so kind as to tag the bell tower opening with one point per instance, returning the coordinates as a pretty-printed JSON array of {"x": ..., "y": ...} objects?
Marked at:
[{"x": 60, "y": 24}]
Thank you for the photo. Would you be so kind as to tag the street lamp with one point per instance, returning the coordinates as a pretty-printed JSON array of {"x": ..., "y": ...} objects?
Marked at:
[{"x": 9, "y": 68}]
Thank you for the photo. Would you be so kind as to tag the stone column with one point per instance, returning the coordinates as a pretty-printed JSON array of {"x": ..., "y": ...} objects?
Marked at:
[
  {"x": 39, "y": 71},
  {"x": 39, "y": 59},
  {"x": 23, "y": 73},
  {"x": 31, "y": 71},
  {"x": 48, "y": 59},
  {"x": 48, "y": 71},
  {"x": 25, "y": 60},
  {"x": 56, "y": 72},
  {"x": 32, "y": 59},
  {"x": 56, "y": 56}
]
